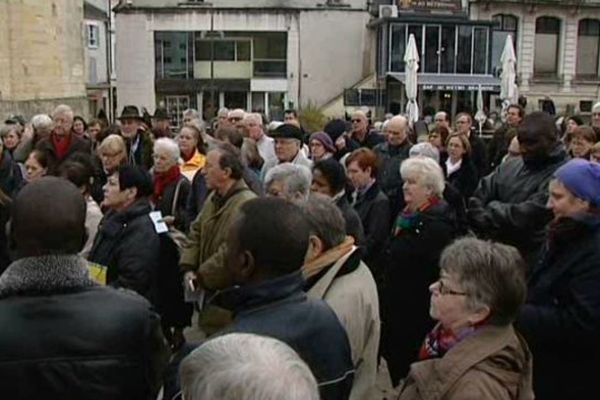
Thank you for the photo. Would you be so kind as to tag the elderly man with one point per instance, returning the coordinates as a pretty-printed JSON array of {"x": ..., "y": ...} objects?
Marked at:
[
  {"x": 498, "y": 146},
  {"x": 335, "y": 273},
  {"x": 267, "y": 246},
  {"x": 391, "y": 154},
  {"x": 288, "y": 148},
  {"x": 596, "y": 120},
  {"x": 288, "y": 181},
  {"x": 442, "y": 120},
  {"x": 161, "y": 123},
  {"x": 561, "y": 317},
  {"x": 222, "y": 121},
  {"x": 139, "y": 144},
  {"x": 360, "y": 131},
  {"x": 510, "y": 204},
  {"x": 251, "y": 366},
  {"x": 74, "y": 338},
  {"x": 464, "y": 123},
  {"x": 264, "y": 143},
  {"x": 235, "y": 118},
  {"x": 190, "y": 115},
  {"x": 62, "y": 142}
]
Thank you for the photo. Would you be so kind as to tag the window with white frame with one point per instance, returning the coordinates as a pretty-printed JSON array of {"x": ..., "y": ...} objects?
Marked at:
[
  {"x": 505, "y": 25},
  {"x": 176, "y": 105},
  {"x": 93, "y": 36},
  {"x": 588, "y": 45},
  {"x": 547, "y": 42}
]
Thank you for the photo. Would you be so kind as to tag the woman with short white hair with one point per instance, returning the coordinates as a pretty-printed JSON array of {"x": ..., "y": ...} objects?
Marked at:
[
  {"x": 420, "y": 233},
  {"x": 288, "y": 181}
]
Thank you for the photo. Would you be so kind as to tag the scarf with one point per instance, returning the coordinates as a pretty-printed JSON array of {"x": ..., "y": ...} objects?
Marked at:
[
  {"x": 452, "y": 168},
  {"x": 407, "y": 220},
  {"x": 61, "y": 145},
  {"x": 440, "y": 340},
  {"x": 315, "y": 266},
  {"x": 163, "y": 179}
]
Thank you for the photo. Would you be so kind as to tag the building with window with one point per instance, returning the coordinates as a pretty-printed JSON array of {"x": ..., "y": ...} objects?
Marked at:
[
  {"x": 264, "y": 55},
  {"x": 557, "y": 44}
]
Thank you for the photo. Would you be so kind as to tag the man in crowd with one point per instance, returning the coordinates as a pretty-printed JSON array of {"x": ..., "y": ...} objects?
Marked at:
[
  {"x": 62, "y": 142},
  {"x": 288, "y": 148},
  {"x": 264, "y": 143},
  {"x": 464, "y": 123},
  {"x": 222, "y": 116},
  {"x": 290, "y": 116},
  {"x": 139, "y": 144},
  {"x": 161, "y": 124},
  {"x": 63, "y": 336},
  {"x": 391, "y": 153},
  {"x": 361, "y": 133},
  {"x": 596, "y": 120},
  {"x": 267, "y": 246},
  {"x": 498, "y": 146},
  {"x": 235, "y": 118},
  {"x": 335, "y": 273},
  {"x": 510, "y": 204},
  {"x": 442, "y": 120}
]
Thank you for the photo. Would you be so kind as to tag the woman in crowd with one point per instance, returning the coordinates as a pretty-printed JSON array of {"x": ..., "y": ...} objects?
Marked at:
[
  {"x": 79, "y": 127},
  {"x": 36, "y": 165},
  {"x": 321, "y": 146},
  {"x": 438, "y": 138},
  {"x": 571, "y": 123},
  {"x": 12, "y": 137},
  {"x": 460, "y": 170},
  {"x": 473, "y": 352},
  {"x": 192, "y": 150},
  {"x": 11, "y": 177},
  {"x": 561, "y": 316},
  {"x": 583, "y": 139},
  {"x": 420, "y": 233},
  {"x": 112, "y": 153},
  {"x": 595, "y": 153}
]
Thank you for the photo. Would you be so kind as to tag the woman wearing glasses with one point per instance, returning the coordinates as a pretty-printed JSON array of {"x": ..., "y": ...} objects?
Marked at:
[{"x": 473, "y": 352}]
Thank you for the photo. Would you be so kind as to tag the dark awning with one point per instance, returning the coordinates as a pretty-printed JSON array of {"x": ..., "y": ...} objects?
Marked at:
[{"x": 458, "y": 82}]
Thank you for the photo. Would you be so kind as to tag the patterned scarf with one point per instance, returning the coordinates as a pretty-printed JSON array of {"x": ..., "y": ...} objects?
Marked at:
[
  {"x": 440, "y": 340},
  {"x": 407, "y": 219}
]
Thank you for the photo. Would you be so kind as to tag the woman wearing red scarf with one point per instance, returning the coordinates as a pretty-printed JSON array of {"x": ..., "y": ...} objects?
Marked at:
[
  {"x": 171, "y": 190},
  {"x": 474, "y": 352},
  {"x": 422, "y": 230}
]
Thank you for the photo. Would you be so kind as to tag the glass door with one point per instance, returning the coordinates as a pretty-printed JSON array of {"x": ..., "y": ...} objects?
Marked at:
[{"x": 432, "y": 49}]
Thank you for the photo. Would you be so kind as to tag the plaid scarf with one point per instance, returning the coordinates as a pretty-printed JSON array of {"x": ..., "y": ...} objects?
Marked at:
[
  {"x": 407, "y": 219},
  {"x": 440, "y": 340}
]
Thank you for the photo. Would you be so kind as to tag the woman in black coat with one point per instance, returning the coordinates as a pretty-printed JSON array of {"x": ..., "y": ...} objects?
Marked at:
[
  {"x": 420, "y": 233},
  {"x": 461, "y": 173}
]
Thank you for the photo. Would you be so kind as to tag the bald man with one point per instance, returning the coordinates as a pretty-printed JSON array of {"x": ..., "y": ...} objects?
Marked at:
[
  {"x": 391, "y": 154},
  {"x": 72, "y": 337}
]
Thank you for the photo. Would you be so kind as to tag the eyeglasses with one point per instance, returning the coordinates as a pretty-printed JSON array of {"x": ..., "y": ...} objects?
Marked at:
[
  {"x": 355, "y": 121},
  {"x": 235, "y": 119},
  {"x": 443, "y": 290}
]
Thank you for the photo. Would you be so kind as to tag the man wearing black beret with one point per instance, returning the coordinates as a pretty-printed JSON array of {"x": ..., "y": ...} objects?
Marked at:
[{"x": 288, "y": 148}]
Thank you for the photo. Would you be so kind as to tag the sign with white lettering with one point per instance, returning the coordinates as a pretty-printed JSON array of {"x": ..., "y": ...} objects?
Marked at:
[{"x": 430, "y": 5}]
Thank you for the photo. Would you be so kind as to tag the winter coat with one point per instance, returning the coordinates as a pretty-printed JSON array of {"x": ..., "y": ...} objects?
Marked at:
[
  {"x": 372, "y": 139},
  {"x": 491, "y": 364},
  {"x": 11, "y": 178},
  {"x": 192, "y": 166},
  {"x": 64, "y": 337},
  {"x": 413, "y": 265},
  {"x": 280, "y": 309},
  {"x": 128, "y": 245},
  {"x": 354, "y": 226},
  {"x": 347, "y": 285},
  {"x": 47, "y": 146},
  {"x": 464, "y": 179},
  {"x": 513, "y": 200},
  {"x": 498, "y": 146},
  {"x": 206, "y": 247},
  {"x": 389, "y": 178},
  {"x": 166, "y": 201},
  {"x": 478, "y": 154},
  {"x": 561, "y": 317},
  {"x": 300, "y": 159},
  {"x": 143, "y": 152}
]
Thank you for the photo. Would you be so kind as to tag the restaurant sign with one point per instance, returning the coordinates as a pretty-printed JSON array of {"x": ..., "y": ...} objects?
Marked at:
[{"x": 452, "y": 6}]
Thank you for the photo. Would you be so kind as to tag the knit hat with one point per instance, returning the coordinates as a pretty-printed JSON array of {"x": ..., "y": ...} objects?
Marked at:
[
  {"x": 287, "y": 131},
  {"x": 324, "y": 139},
  {"x": 582, "y": 178},
  {"x": 335, "y": 128}
]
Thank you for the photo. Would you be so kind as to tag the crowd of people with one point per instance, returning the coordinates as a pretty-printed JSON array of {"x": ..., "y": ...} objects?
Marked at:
[{"x": 308, "y": 260}]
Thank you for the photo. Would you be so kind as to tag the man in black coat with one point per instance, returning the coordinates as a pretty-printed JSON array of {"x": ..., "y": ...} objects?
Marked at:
[
  {"x": 63, "y": 336},
  {"x": 498, "y": 146},
  {"x": 509, "y": 205},
  {"x": 464, "y": 124}
]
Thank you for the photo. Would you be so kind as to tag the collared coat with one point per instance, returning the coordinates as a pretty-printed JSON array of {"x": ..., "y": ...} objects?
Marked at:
[
  {"x": 77, "y": 145},
  {"x": 491, "y": 364}
]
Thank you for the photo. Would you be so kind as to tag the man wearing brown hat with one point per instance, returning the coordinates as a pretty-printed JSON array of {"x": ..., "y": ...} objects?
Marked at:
[
  {"x": 161, "y": 124},
  {"x": 139, "y": 144},
  {"x": 288, "y": 148}
]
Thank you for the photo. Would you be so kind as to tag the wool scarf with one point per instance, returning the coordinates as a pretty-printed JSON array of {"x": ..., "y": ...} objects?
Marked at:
[
  {"x": 408, "y": 219},
  {"x": 163, "y": 179},
  {"x": 440, "y": 340}
]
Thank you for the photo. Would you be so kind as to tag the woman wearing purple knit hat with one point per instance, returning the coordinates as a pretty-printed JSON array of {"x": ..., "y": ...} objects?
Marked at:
[
  {"x": 561, "y": 317},
  {"x": 321, "y": 146}
]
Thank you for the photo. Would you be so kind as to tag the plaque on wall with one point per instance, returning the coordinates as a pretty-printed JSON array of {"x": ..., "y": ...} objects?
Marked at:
[{"x": 453, "y": 6}]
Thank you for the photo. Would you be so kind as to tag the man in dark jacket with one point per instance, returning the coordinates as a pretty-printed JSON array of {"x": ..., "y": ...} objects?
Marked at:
[
  {"x": 498, "y": 146},
  {"x": 510, "y": 204},
  {"x": 270, "y": 300},
  {"x": 561, "y": 317},
  {"x": 127, "y": 243},
  {"x": 62, "y": 142},
  {"x": 139, "y": 144},
  {"x": 361, "y": 133},
  {"x": 391, "y": 154},
  {"x": 63, "y": 336},
  {"x": 464, "y": 124}
]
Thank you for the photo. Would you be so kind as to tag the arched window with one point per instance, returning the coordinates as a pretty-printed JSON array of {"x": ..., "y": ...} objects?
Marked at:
[
  {"x": 547, "y": 41},
  {"x": 504, "y": 25},
  {"x": 588, "y": 41}
]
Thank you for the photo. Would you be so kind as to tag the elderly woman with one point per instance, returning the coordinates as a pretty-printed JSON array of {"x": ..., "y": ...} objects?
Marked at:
[
  {"x": 11, "y": 136},
  {"x": 112, "y": 153},
  {"x": 460, "y": 170},
  {"x": 422, "y": 230},
  {"x": 288, "y": 181},
  {"x": 321, "y": 146},
  {"x": 473, "y": 352},
  {"x": 192, "y": 150},
  {"x": 583, "y": 139}
]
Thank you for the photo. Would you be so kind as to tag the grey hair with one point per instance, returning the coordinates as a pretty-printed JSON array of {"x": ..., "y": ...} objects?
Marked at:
[
  {"x": 425, "y": 149},
  {"x": 223, "y": 111},
  {"x": 169, "y": 146},
  {"x": 427, "y": 172},
  {"x": 192, "y": 113},
  {"x": 245, "y": 366},
  {"x": 325, "y": 219},
  {"x": 296, "y": 180},
  {"x": 113, "y": 143},
  {"x": 596, "y": 107},
  {"x": 256, "y": 117},
  {"x": 42, "y": 121},
  {"x": 63, "y": 109},
  {"x": 492, "y": 275}
]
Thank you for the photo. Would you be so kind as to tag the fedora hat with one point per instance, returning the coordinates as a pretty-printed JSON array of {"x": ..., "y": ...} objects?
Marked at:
[
  {"x": 161, "y": 113},
  {"x": 130, "y": 112}
]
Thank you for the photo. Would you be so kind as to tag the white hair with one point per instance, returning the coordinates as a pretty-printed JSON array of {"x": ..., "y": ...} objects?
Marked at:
[
  {"x": 42, "y": 121},
  {"x": 223, "y": 111},
  {"x": 256, "y": 117},
  {"x": 63, "y": 109},
  {"x": 192, "y": 113},
  {"x": 244, "y": 366},
  {"x": 426, "y": 171},
  {"x": 238, "y": 112},
  {"x": 296, "y": 180},
  {"x": 169, "y": 146},
  {"x": 596, "y": 107},
  {"x": 425, "y": 149}
]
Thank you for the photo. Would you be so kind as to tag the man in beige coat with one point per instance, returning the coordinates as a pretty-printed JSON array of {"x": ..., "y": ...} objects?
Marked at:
[{"x": 335, "y": 273}]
